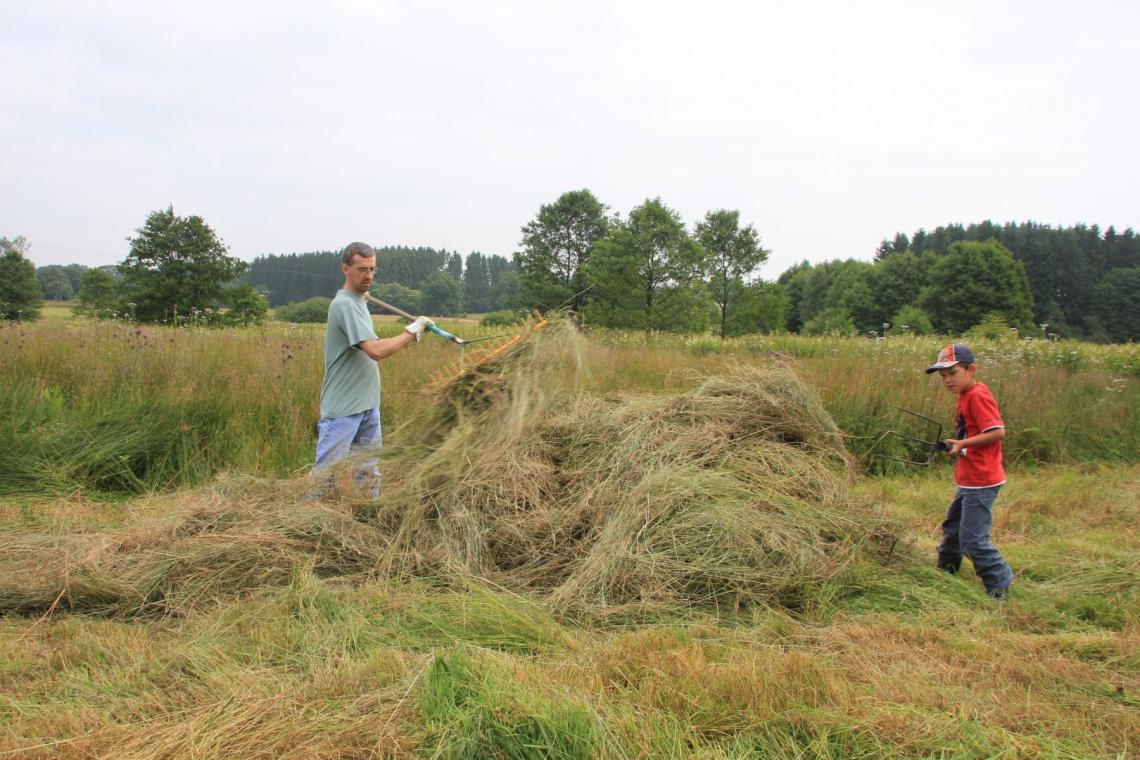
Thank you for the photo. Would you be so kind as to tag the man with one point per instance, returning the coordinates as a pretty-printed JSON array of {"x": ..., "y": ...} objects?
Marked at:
[{"x": 350, "y": 392}]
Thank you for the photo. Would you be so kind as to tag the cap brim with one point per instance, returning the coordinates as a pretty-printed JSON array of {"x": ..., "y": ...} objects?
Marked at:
[{"x": 939, "y": 365}]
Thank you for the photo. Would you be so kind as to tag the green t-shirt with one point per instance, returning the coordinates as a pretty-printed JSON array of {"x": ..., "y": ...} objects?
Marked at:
[{"x": 352, "y": 380}]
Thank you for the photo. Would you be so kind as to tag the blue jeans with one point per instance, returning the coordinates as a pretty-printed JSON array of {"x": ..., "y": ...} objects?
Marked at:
[
  {"x": 356, "y": 438},
  {"x": 966, "y": 531}
]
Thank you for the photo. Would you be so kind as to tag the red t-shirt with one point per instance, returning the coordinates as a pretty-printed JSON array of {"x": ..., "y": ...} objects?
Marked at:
[{"x": 978, "y": 466}]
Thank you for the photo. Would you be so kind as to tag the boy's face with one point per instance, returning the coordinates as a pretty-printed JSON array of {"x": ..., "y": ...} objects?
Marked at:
[{"x": 958, "y": 378}]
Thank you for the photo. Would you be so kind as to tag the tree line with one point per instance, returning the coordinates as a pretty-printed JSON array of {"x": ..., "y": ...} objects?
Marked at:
[
  {"x": 648, "y": 271},
  {"x": 178, "y": 270},
  {"x": 415, "y": 279},
  {"x": 1083, "y": 282},
  {"x": 1075, "y": 282}
]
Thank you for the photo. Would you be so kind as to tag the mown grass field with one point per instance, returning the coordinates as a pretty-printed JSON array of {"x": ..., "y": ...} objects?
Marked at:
[{"x": 106, "y": 428}]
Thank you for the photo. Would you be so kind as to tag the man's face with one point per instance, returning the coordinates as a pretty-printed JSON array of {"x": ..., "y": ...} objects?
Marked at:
[
  {"x": 958, "y": 378},
  {"x": 358, "y": 275}
]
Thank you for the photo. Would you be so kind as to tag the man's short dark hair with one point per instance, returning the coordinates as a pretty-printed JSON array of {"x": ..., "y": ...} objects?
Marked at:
[{"x": 356, "y": 249}]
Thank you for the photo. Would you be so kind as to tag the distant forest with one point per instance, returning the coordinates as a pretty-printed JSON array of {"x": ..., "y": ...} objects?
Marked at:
[
  {"x": 415, "y": 279},
  {"x": 1073, "y": 282},
  {"x": 1078, "y": 276}
]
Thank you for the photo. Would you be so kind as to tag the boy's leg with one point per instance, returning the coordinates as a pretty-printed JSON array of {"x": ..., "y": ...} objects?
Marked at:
[
  {"x": 950, "y": 551},
  {"x": 366, "y": 453},
  {"x": 977, "y": 520}
]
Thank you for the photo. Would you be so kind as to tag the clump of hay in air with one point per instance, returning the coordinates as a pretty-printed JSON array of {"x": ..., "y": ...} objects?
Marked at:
[{"x": 734, "y": 492}]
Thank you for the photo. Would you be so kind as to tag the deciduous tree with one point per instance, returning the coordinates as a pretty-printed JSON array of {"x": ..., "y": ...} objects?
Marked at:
[
  {"x": 761, "y": 308},
  {"x": 442, "y": 295},
  {"x": 98, "y": 295},
  {"x": 407, "y": 299},
  {"x": 731, "y": 256},
  {"x": 177, "y": 267},
  {"x": 643, "y": 258},
  {"x": 556, "y": 247},
  {"x": 20, "y": 294},
  {"x": 247, "y": 305},
  {"x": 795, "y": 281},
  {"x": 911, "y": 320},
  {"x": 974, "y": 279}
]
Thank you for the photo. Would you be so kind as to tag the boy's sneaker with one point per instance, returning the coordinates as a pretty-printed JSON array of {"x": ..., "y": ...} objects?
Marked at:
[
  {"x": 949, "y": 564},
  {"x": 1001, "y": 593}
]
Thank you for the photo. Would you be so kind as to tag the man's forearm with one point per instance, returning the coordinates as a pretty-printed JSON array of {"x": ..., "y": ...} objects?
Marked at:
[{"x": 382, "y": 348}]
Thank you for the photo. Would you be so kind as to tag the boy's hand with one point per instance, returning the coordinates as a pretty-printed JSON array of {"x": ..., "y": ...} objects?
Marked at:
[{"x": 952, "y": 447}]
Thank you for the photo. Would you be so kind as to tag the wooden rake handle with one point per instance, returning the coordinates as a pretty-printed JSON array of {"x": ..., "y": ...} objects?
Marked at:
[{"x": 406, "y": 315}]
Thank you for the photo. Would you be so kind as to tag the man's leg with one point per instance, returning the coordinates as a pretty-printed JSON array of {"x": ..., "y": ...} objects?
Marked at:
[
  {"x": 950, "y": 551},
  {"x": 366, "y": 453},
  {"x": 334, "y": 443},
  {"x": 977, "y": 520}
]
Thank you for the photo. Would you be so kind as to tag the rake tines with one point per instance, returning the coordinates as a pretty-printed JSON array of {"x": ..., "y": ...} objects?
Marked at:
[{"x": 468, "y": 370}]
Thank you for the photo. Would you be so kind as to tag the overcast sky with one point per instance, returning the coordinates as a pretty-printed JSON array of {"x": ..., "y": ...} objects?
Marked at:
[{"x": 303, "y": 126}]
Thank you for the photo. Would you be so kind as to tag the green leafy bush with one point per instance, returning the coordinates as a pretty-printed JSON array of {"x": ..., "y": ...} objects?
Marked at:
[
  {"x": 992, "y": 326},
  {"x": 499, "y": 318},
  {"x": 247, "y": 306},
  {"x": 315, "y": 309},
  {"x": 833, "y": 321},
  {"x": 913, "y": 320}
]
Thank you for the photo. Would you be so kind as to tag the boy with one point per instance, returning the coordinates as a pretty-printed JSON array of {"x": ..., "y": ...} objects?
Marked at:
[{"x": 978, "y": 472}]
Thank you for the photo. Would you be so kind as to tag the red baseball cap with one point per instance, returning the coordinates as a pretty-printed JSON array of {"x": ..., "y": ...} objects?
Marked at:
[{"x": 955, "y": 353}]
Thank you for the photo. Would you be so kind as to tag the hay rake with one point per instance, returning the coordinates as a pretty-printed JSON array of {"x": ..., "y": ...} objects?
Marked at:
[
  {"x": 455, "y": 372},
  {"x": 931, "y": 447}
]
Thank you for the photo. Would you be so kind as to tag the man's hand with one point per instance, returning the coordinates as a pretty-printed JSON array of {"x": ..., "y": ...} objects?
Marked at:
[{"x": 418, "y": 326}]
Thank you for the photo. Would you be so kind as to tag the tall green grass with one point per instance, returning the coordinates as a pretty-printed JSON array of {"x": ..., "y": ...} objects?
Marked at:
[
  {"x": 1063, "y": 402},
  {"x": 114, "y": 407}
]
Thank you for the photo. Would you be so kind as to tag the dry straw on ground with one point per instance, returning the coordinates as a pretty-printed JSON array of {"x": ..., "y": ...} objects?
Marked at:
[{"x": 732, "y": 493}]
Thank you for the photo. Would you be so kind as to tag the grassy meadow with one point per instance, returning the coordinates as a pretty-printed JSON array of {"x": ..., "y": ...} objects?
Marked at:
[
  {"x": 123, "y": 440},
  {"x": 117, "y": 408}
]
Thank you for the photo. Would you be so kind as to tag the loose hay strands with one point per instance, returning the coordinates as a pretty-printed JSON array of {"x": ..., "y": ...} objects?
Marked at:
[
  {"x": 735, "y": 492},
  {"x": 185, "y": 550}
]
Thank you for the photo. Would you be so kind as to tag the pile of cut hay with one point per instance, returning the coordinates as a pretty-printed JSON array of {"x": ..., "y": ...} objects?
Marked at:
[{"x": 733, "y": 493}]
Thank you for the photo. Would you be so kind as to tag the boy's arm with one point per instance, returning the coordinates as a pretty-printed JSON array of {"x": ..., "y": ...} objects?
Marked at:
[{"x": 954, "y": 446}]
